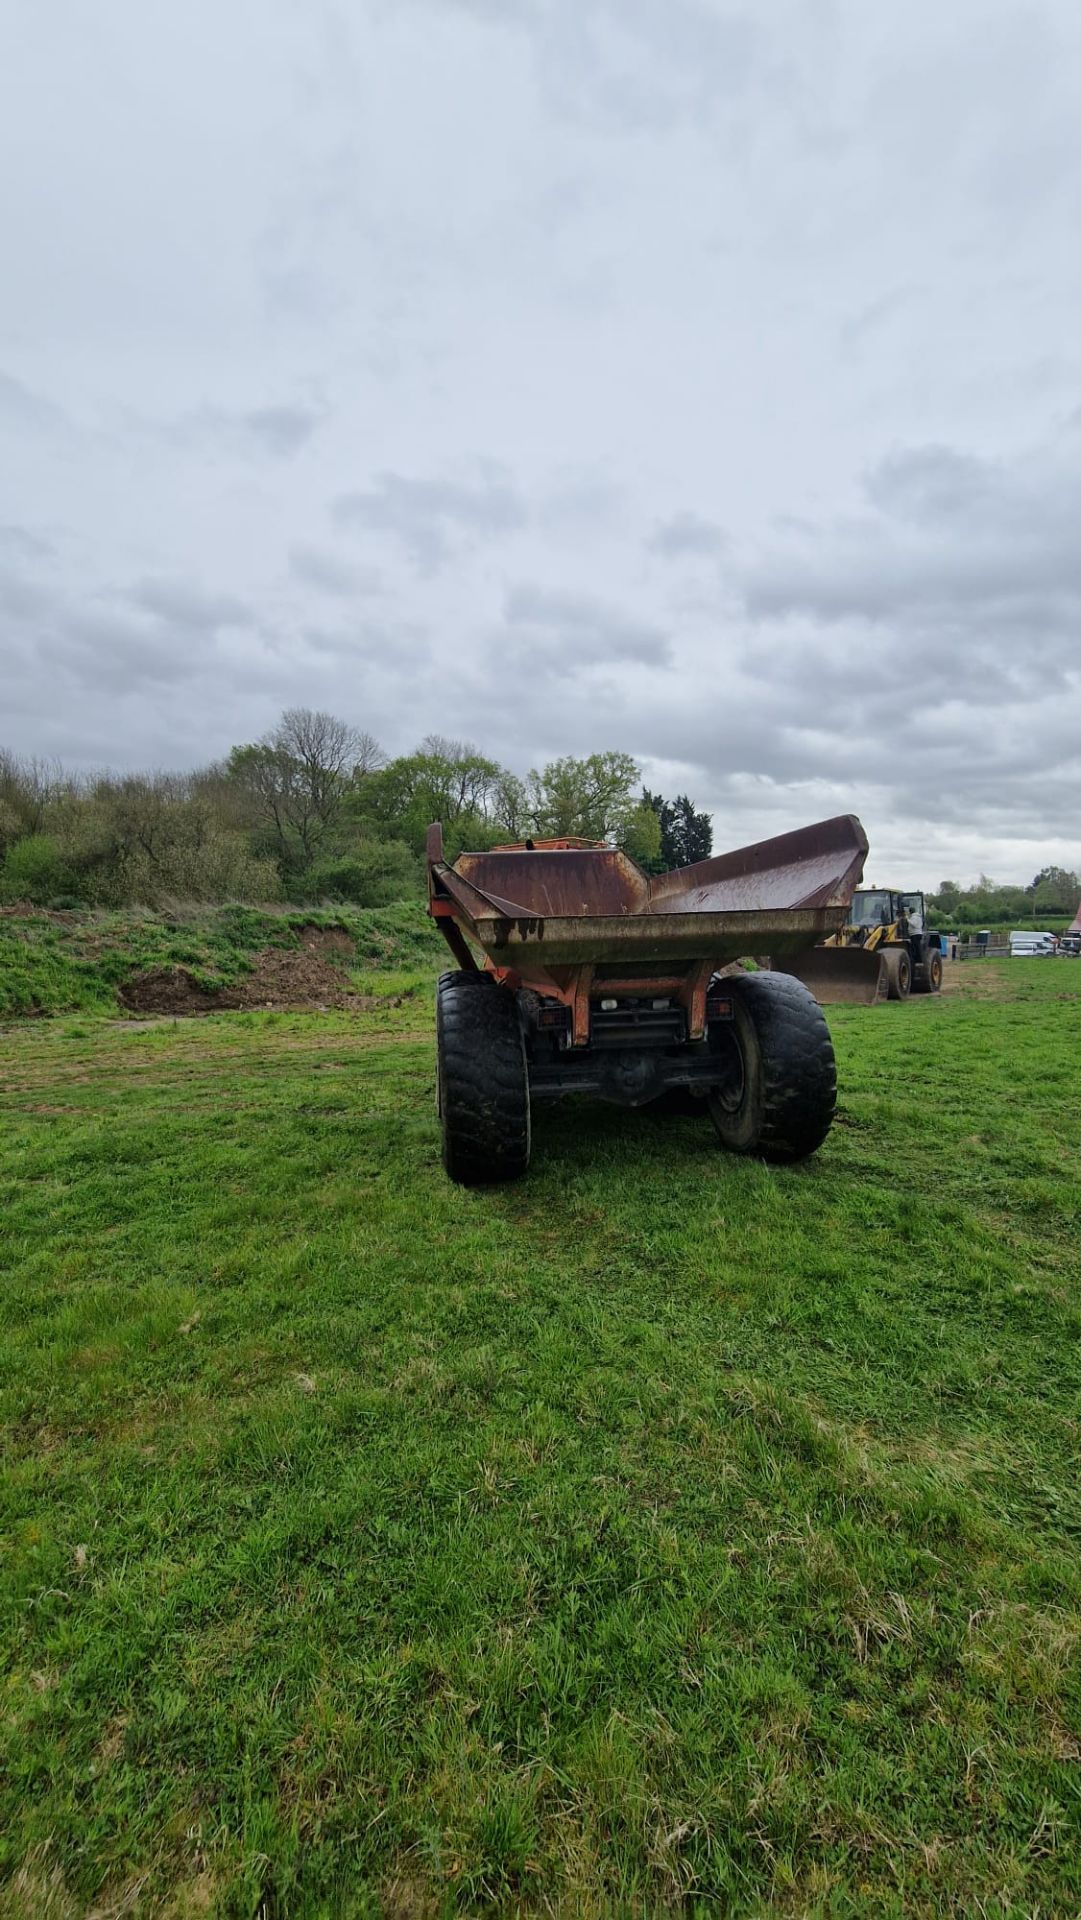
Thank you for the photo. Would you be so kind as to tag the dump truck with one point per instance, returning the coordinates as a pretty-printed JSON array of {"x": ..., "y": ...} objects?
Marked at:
[
  {"x": 578, "y": 973},
  {"x": 887, "y": 929}
]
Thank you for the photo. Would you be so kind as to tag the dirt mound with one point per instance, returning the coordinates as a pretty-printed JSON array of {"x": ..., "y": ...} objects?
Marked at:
[
  {"x": 281, "y": 978},
  {"x": 171, "y": 990},
  {"x": 316, "y": 939}
]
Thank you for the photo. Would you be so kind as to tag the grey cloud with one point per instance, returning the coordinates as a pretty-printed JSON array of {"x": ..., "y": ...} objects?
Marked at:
[
  {"x": 576, "y": 504},
  {"x": 182, "y": 604},
  {"x": 23, "y": 544},
  {"x": 330, "y": 575},
  {"x": 689, "y": 534},
  {"x": 157, "y": 633},
  {"x": 630, "y": 66},
  {"x": 396, "y": 648},
  {"x": 29, "y": 412},
  {"x": 957, "y": 550},
  {"x": 922, "y": 485},
  {"x": 875, "y": 314},
  {"x": 102, "y": 651},
  {"x": 272, "y": 432},
  {"x": 281, "y": 430},
  {"x": 577, "y": 628},
  {"x": 428, "y": 515},
  {"x": 20, "y": 597}
]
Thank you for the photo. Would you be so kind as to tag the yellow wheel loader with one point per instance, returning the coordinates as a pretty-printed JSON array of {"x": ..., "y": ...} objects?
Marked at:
[{"x": 883, "y": 953}]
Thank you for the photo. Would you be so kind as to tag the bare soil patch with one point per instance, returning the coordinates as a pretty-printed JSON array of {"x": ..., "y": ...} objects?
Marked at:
[{"x": 282, "y": 979}]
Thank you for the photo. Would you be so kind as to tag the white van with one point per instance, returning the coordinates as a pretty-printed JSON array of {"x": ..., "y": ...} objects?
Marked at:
[{"x": 1027, "y": 944}]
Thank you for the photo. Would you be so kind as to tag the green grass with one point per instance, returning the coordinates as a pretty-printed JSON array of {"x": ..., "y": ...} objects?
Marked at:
[
  {"x": 60, "y": 963},
  {"x": 664, "y": 1531}
]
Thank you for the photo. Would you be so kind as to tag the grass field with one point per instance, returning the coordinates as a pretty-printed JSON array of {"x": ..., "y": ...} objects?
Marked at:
[{"x": 665, "y": 1531}]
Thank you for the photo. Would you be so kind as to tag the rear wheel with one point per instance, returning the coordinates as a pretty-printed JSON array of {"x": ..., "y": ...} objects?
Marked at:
[
  {"x": 483, "y": 1091},
  {"x": 781, "y": 1090},
  {"x": 467, "y": 979},
  {"x": 898, "y": 972}
]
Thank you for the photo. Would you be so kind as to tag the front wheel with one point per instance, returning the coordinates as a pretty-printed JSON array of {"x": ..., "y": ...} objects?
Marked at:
[
  {"x": 780, "y": 1091},
  {"x": 898, "y": 972}
]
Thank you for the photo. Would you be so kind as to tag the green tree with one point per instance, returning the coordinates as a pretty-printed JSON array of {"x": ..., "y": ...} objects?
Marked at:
[
  {"x": 641, "y": 838},
  {"x": 445, "y": 780},
  {"x": 510, "y": 806},
  {"x": 686, "y": 834},
  {"x": 945, "y": 899},
  {"x": 591, "y": 798},
  {"x": 1055, "y": 890}
]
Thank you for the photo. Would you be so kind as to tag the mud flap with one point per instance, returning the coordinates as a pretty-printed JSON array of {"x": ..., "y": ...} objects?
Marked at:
[{"x": 840, "y": 975}]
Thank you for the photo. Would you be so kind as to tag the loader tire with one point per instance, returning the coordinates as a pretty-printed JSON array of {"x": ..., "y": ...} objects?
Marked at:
[
  {"x": 898, "y": 972},
  {"x": 931, "y": 971},
  {"x": 483, "y": 1081},
  {"x": 782, "y": 1091}
]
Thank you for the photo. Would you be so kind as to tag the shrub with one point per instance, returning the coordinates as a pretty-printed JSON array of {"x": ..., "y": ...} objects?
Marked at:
[
  {"x": 34, "y": 869},
  {"x": 374, "y": 874}
]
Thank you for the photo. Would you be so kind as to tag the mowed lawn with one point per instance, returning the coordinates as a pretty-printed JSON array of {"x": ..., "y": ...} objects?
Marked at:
[{"x": 663, "y": 1531}]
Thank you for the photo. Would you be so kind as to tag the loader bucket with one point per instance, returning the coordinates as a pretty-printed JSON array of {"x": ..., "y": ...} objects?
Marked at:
[{"x": 839, "y": 976}]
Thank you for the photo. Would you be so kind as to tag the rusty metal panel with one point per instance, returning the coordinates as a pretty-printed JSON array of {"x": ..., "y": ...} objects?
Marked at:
[
  {"x": 648, "y": 938},
  {"x": 811, "y": 867},
  {"x": 559, "y": 883}
]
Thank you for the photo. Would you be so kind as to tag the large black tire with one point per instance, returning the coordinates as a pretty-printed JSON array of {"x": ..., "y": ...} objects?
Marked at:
[
  {"x": 483, "y": 1094},
  {"x": 783, "y": 1090},
  {"x": 928, "y": 975},
  {"x": 898, "y": 972}
]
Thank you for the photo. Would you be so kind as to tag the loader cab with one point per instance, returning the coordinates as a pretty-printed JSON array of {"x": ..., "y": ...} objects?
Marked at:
[
  {"x": 878, "y": 907},
  {"x": 871, "y": 907}
]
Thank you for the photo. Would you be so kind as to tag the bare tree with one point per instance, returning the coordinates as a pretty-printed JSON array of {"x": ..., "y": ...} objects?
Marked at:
[
  {"x": 298, "y": 775},
  {"x": 27, "y": 789},
  {"x": 369, "y": 755}
]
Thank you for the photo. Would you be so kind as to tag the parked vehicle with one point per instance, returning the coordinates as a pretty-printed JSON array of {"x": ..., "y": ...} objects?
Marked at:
[
  {"x": 1026, "y": 944},
  {"x": 579, "y": 973}
]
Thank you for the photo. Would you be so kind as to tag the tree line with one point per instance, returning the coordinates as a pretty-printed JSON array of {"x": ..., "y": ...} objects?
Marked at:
[
  {"x": 1052, "y": 893},
  {"x": 314, "y": 811}
]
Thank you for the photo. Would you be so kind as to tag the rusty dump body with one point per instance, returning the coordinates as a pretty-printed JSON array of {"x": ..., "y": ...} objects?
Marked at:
[{"x": 582, "y": 925}]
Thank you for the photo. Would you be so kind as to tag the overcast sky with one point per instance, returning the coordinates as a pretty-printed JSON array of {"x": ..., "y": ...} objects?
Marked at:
[{"x": 701, "y": 380}]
